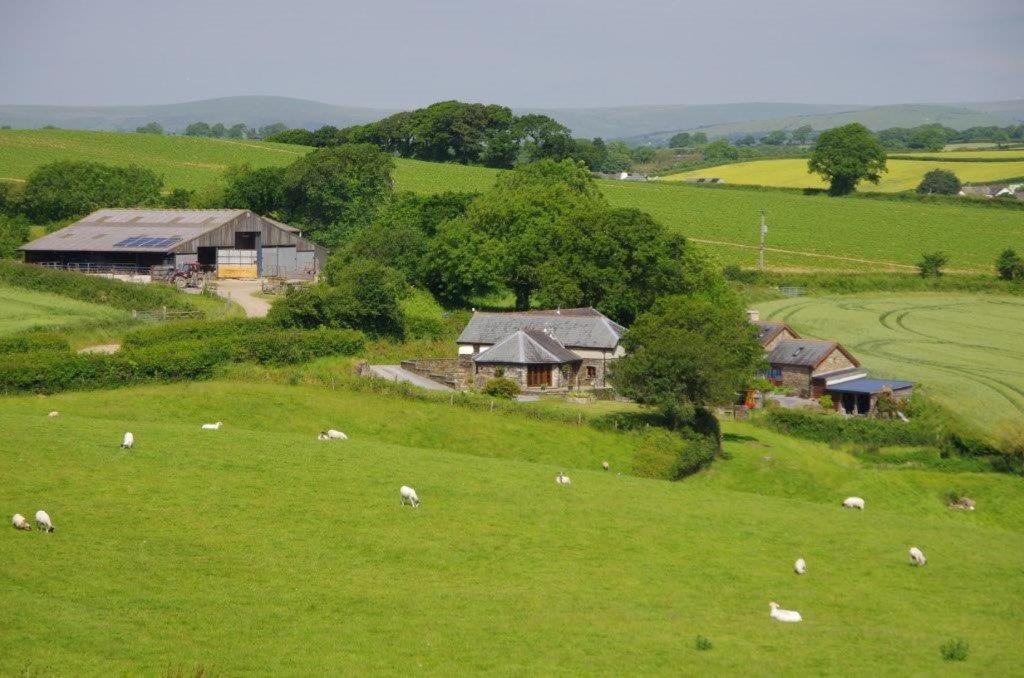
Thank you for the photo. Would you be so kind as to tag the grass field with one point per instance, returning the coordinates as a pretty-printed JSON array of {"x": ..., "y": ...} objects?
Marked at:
[
  {"x": 24, "y": 309},
  {"x": 258, "y": 549},
  {"x": 806, "y": 232},
  {"x": 902, "y": 175},
  {"x": 966, "y": 350},
  {"x": 1010, "y": 154}
]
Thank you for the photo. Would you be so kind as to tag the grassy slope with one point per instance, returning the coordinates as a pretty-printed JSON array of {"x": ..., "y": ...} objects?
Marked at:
[
  {"x": 258, "y": 549},
  {"x": 965, "y": 349},
  {"x": 903, "y": 175},
  {"x": 25, "y": 309}
]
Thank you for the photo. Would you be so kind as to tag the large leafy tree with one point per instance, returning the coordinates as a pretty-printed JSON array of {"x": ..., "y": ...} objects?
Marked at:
[
  {"x": 940, "y": 182},
  {"x": 260, "y": 190},
  {"x": 13, "y": 232},
  {"x": 688, "y": 352},
  {"x": 845, "y": 156},
  {"x": 335, "y": 190},
  {"x": 67, "y": 189}
]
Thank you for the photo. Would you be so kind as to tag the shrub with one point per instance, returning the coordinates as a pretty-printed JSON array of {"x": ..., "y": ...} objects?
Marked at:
[
  {"x": 702, "y": 643},
  {"x": 68, "y": 189},
  {"x": 1011, "y": 457},
  {"x": 501, "y": 388},
  {"x": 861, "y": 430},
  {"x": 955, "y": 650},
  {"x": 939, "y": 181},
  {"x": 33, "y": 341},
  {"x": 175, "y": 361},
  {"x": 194, "y": 330},
  {"x": 826, "y": 403},
  {"x": 13, "y": 232},
  {"x": 288, "y": 347},
  {"x": 1009, "y": 265},
  {"x": 696, "y": 453},
  {"x": 931, "y": 264}
]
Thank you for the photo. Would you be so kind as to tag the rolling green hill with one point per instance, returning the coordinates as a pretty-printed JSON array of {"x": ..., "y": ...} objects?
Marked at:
[
  {"x": 258, "y": 548},
  {"x": 22, "y": 309}
]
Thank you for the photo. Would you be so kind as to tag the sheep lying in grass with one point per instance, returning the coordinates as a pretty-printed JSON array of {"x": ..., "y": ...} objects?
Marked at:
[
  {"x": 128, "y": 441},
  {"x": 43, "y": 521},
  {"x": 409, "y": 496},
  {"x": 784, "y": 615},
  {"x": 53, "y": 414},
  {"x": 963, "y": 504},
  {"x": 213, "y": 427},
  {"x": 800, "y": 566},
  {"x": 605, "y": 465},
  {"x": 853, "y": 503},
  {"x": 917, "y": 557},
  {"x": 563, "y": 479},
  {"x": 19, "y": 522},
  {"x": 331, "y": 434}
]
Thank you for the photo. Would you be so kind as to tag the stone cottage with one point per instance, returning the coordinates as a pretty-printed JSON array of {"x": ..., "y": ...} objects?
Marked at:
[{"x": 804, "y": 365}]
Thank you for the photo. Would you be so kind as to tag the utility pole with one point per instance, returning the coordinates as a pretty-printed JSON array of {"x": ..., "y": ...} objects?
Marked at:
[{"x": 764, "y": 233}]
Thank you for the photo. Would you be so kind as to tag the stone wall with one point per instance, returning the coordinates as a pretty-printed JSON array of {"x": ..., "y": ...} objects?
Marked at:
[
  {"x": 797, "y": 378},
  {"x": 835, "y": 361}
]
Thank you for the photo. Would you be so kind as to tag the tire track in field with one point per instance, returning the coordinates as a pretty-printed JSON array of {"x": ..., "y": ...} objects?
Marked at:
[{"x": 901, "y": 316}]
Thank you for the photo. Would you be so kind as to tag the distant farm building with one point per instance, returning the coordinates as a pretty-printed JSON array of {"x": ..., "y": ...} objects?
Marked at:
[
  {"x": 860, "y": 395},
  {"x": 804, "y": 364},
  {"x": 994, "y": 191},
  {"x": 231, "y": 243}
]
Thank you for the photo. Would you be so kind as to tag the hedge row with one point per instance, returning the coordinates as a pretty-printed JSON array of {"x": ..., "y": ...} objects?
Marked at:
[
  {"x": 50, "y": 371},
  {"x": 191, "y": 330},
  {"x": 33, "y": 341},
  {"x": 126, "y": 296},
  {"x": 833, "y": 429}
]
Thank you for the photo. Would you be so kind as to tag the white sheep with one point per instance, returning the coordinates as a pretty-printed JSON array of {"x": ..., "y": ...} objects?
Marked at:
[
  {"x": 129, "y": 440},
  {"x": 43, "y": 521},
  {"x": 800, "y": 566},
  {"x": 853, "y": 502},
  {"x": 53, "y": 414},
  {"x": 784, "y": 615},
  {"x": 331, "y": 434},
  {"x": 409, "y": 495},
  {"x": 563, "y": 479},
  {"x": 917, "y": 557},
  {"x": 213, "y": 427},
  {"x": 605, "y": 465},
  {"x": 19, "y": 522}
]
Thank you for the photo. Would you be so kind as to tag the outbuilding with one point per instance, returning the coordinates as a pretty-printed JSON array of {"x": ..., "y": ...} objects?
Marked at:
[
  {"x": 860, "y": 396},
  {"x": 803, "y": 364},
  {"x": 231, "y": 243}
]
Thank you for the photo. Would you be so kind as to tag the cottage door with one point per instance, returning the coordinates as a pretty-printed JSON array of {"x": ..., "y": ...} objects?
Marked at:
[{"x": 538, "y": 375}]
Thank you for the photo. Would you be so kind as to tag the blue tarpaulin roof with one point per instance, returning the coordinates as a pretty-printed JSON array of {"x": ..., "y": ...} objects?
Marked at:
[{"x": 869, "y": 386}]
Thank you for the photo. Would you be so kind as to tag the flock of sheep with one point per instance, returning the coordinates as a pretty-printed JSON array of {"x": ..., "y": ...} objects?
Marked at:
[{"x": 408, "y": 495}]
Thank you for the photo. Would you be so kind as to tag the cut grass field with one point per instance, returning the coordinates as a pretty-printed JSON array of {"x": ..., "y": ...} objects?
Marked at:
[
  {"x": 258, "y": 549},
  {"x": 902, "y": 175},
  {"x": 25, "y": 310},
  {"x": 807, "y": 232},
  {"x": 966, "y": 350}
]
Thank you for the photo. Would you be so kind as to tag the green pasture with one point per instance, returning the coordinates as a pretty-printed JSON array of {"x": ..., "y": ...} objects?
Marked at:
[
  {"x": 258, "y": 549},
  {"x": 26, "y": 309},
  {"x": 965, "y": 350}
]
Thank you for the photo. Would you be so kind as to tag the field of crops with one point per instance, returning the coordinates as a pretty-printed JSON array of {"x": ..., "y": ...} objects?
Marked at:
[
  {"x": 903, "y": 175},
  {"x": 258, "y": 549},
  {"x": 966, "y": 350},
  {"x": 1011, "y": 154},
  {"x": 24, "y": 309}
]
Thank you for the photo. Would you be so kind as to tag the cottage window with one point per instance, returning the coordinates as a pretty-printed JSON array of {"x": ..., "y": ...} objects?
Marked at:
[{"x": 591, "y": 372}]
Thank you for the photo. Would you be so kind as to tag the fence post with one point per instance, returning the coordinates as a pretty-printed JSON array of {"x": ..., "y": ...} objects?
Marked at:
[{"x": 164, "y": 312}]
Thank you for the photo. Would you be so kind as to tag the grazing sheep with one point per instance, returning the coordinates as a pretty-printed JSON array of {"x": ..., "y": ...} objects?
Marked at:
[
  {"x": 563, "y": 479},
  {"x": 605, "y": 465},
  {"x": 213, "y": 427},
  {"x": 853, "y": 502},
  {"x": 409, "y": 496},
  {"x": 331, "y": 434},
  {"x": 963, "y": 504},
  {"x": 917, "y": 557},
  {"x": 784, "y": 615},
  {"x": 53, "y": 414},
  {"x": 800, "y": 566},
  {"x": 43, "y": 521},
  {"x": 129, "y": 440},
  {"x": 19, "y": 522}
]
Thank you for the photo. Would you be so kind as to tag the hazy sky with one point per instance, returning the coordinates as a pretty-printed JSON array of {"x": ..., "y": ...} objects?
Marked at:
[{"x": 403, "y": 53}]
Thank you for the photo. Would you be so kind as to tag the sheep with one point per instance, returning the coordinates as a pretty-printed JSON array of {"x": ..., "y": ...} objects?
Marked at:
[
  {"x": 605, "y": 465},
  {"x": 800, "y": 566},
  {"x": 53, "y": 414},
  {"x": 43, "y": 521},
  {"x": 853, "y": 502},
  {"x": 917, "y": 557},
  {"x": 409, "y": 495},
  {"x": 19, "y": 522},
  {"x": 331, "y": 434},
  {"x": 563, "y": 479},
  {"x": 963, "y": 504},
  {"x": 213, "y": 427},
  {"x": 129, "y": 440},
  {"x": 784, "y": 615}
]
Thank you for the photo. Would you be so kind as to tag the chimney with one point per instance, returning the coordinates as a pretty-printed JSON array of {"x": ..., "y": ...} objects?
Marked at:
[{"x": 753, "y": 315}]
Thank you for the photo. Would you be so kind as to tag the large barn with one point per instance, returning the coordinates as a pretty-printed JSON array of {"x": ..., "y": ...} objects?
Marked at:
[{"x": 231, "y": 243}]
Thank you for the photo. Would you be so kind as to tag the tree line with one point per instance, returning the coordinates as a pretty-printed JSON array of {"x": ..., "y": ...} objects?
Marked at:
[{"x": 219, "y": 130}]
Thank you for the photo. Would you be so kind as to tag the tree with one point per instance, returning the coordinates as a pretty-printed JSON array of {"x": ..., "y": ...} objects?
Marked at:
[
  {"x": 775, "y": 138},
  {"x": 931, "y": 264},
  {"x": 940, "y": 182},
  {"x": 178, "y": 198},
  {"x": 1010, "y": 265},
  {"x": 927, "y": 137},
  {"x": 542, "y": 137},
  {"x": 260, "y": 190},
  {"x": 197, "y": 129},
  {"x": 688, "y": 352},
  {"x": 802, "y": 134},
  {"x": 67, "y": 189},
  {"x": 151, "y": 128},
  {"x": 643, "y": 154},
  {"x": 748, "y": 140},
  {"x": 680, "y": 140},
  {"x": 267, "y": 130},
  {"x": 698, "y": 138},
  {"x": 237, "y": 131},
  {"x": 13, "y": 233},
  {"x": 299, "y": 136},
  {"x": 218, "y": 130},
  {"x": 720, "y": 151},
  {"x": 847, "y": 155},
  {"x": 334, "y": 190}
]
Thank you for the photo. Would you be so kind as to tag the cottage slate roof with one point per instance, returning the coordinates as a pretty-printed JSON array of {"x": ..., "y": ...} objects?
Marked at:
[
  {"x": 527, "y": 347},
  {"x": 869, "y": 386},
  {"x": 805, "y": 352},
  {"x": 572, "y": 327},
  {"x": 769, "y": 329},
  {"x": 133, "y": 230}
]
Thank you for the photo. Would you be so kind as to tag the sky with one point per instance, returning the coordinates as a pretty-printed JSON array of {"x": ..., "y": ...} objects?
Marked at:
[{"x": 523, "y": 53}]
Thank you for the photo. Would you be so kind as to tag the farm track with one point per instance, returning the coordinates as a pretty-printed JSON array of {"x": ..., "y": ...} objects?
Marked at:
[{"x": 834, "y": 257}]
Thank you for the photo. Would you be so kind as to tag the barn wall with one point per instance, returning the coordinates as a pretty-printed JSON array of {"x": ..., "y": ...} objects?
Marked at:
[
  {"x": 271, "y": 235},
  {"x": 835, "y": 361}
]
